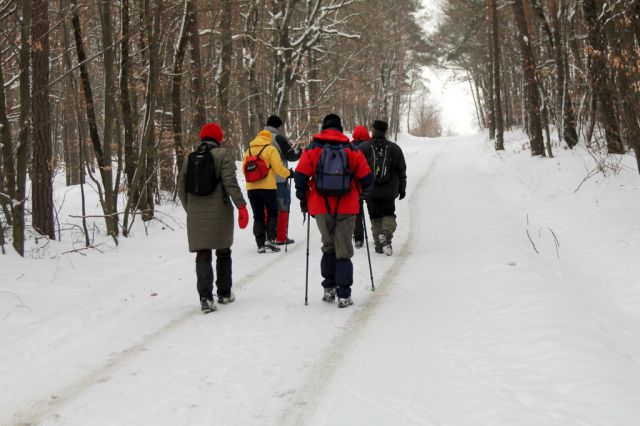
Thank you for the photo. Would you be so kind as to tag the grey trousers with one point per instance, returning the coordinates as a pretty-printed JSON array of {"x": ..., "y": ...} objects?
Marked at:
[{"x": 336, "y": 234}]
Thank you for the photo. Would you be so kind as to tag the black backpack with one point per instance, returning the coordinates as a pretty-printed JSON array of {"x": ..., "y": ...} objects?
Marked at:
[
  {"x": 201, "y": 172},
  {"x": 381, "y": 167}
]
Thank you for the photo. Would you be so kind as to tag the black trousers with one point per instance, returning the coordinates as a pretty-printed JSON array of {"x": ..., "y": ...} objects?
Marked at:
[
  {"x": 261, "y": 200},
  {"x": 381, "y": 207},
  {"x": 204, "y": 272}
]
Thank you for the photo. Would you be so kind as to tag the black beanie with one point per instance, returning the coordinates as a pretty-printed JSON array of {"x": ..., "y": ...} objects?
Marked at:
[
  {"x": 332, "y": 121},
  {"x": 380, "y": 125},
  {"x": 274, "y": 121}
]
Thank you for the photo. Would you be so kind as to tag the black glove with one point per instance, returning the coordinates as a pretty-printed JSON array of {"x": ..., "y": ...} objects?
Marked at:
[
  {"x": 292, "y": 173},
  {"x": 303, "y": 206},
  {"x": 402, "y": 195}
]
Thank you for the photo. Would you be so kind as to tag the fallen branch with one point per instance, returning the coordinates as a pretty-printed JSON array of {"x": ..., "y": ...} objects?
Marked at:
[
  {"x": 534, "y": 246},
  {"x": 79, "y": 251}
]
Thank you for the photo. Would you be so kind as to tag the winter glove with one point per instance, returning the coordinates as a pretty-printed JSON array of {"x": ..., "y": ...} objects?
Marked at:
[
  {"x": 402, "y": 195},
  {"x": 243, "y": 217},
  {"x": 303, "y": 206}
]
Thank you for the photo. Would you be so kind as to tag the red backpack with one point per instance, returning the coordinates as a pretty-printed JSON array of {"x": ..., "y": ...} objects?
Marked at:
[{"x": 255, "y": 168}]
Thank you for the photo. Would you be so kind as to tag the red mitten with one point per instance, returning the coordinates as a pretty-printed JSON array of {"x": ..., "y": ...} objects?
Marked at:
[{"x": 243, "y": 217}]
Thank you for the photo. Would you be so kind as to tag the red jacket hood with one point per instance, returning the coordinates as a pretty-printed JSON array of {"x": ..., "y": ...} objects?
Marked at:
[
  {"x": 331, "y": 135},
  {"x": 361, "y": 134}
]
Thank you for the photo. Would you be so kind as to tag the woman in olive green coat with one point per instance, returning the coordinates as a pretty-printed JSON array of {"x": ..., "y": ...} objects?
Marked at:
[{"x": 210, "y": 220}]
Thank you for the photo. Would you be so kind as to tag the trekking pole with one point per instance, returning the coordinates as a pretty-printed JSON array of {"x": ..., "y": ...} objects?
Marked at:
[
  {"x": 306, "y": 284},
  {"x": 366, "y": 238},
  {"x": 286, "y": 236}
]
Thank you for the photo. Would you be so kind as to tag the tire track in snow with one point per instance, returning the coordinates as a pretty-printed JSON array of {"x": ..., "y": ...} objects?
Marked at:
[
  {"x": 37, "y": 411},
  {"x": 306, "y": 399}
]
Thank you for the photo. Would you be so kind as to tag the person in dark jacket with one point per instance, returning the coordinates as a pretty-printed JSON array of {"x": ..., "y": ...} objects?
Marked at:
[
  {"x": 335, "y": 215},
  {"x": 287, "y": 153},
  {"x": 210, "y": 220},
  {"x": 360, "y": 134},
  {"x": 390, "y": 169}
]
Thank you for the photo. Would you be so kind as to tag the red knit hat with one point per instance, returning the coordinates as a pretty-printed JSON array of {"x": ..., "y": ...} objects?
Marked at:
[
  {"x": 212, "y": 131},
  {"x": 361, "y": 134}
]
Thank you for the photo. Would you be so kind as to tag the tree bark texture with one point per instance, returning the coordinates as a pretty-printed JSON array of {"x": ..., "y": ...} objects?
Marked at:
[
  {"x": 42, "y": 170},
  {"x": 594, "y": 14},
  {"x": 531, "y": 85}
]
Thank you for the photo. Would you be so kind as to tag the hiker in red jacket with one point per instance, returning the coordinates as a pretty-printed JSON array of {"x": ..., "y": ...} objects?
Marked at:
[
  {"x": 330, "y": 165},
  {"x": 360, "y": 134}
]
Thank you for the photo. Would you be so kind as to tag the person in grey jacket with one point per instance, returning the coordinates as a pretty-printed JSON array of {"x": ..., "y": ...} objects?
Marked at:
[
  {"x": 287, "y": 153},
  {"x": 387, "y": 162},
  {"x": 210, "y": 220}
]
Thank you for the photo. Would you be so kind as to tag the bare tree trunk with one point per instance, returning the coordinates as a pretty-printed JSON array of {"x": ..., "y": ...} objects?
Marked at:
[
  {"x": 256, "y": 117},
  {"x": 226, "y": 56},
  {"x": 104, "y": 162},
  {"x": 594, "y": 16},
  {"x": 22, "y": 154},
  {"x": 125, "y": 101},
  {"x": 8, "y": 171},
  {"x": 110, "y": 188},
  {"x": 564, "y": 106},
  {"x": 497, "y": 98},
  {"x": 531, "y": 85},
  {"x": 491, "y": 116},
  {"x": 176, "y": 86},
  {"x": 42, "y": 170},
  {"x": 152, "y": 28},
  {"x": 197, "y": 79}
]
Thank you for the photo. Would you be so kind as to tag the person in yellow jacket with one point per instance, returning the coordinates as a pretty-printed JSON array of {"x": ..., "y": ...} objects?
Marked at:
[{"x": 263, "y": 193}]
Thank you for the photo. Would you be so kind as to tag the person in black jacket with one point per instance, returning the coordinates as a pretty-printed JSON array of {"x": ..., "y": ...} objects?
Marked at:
[
  {"x": 390, "y": 169},
  {"x": 287, "y": 153}
]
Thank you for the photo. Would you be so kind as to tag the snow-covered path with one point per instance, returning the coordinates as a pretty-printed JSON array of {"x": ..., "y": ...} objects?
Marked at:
[{"x": 468, "y": 324}]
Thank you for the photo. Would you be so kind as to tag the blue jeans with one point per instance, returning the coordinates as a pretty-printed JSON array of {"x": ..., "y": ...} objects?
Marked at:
[{"x": 284, "y": 196}]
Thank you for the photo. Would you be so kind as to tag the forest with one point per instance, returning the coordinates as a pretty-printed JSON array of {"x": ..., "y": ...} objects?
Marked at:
[
  {"x": 111, "y": 94},
  {"x": 565, "y": 66}
]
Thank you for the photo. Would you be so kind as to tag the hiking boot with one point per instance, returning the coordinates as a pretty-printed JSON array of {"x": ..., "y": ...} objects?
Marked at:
[
  {"x": 270, "y": 246},
  {"x": 358, "y": 244},
  {"x": 207, "y": 305},
  {"x": 329, "y": 294},
  {"x": 223, "y": 300},
  {"x": 385, "y": 242},
  {"x": 343, "y": 302},
  {"x": 287, "y": 241}
]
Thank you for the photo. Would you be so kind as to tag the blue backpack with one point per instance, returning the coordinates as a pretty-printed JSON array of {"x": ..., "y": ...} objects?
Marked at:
[{"x": 333, "y": 176}]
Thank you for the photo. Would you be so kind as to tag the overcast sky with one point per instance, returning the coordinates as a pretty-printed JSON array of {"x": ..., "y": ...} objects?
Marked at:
[{"x": 452, "y": 95}]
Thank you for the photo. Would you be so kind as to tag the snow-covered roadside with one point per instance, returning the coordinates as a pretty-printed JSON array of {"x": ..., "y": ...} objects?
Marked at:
[
  {"x": 480, "y": 329},
  {"x": 468, "y": 326}
]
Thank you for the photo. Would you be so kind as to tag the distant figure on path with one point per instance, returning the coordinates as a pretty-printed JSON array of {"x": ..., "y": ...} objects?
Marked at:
[
  {"x": 207, "y": 186},
  {"x": 360, "y": 134},
  {"x": 287, "y": 153},
  {"x": 390, "y": 169}
]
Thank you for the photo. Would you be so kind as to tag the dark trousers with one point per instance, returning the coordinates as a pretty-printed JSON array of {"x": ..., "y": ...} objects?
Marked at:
[
  {"x": 204, "y": 272},
  {"x": 337, "y": 250},
  {"x": 382, "y": 212},
  {"x": 381, "y": 207},
  {"x": 261, "y": 200}
]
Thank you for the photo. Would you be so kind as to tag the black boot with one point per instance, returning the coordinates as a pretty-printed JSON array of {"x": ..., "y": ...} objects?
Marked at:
[
  {"x": 204, "y": 272},
  {"x": 223, "y": 281}
]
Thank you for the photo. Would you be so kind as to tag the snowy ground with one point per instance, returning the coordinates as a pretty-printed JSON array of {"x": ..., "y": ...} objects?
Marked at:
[{"x": 468, "y": 325}]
